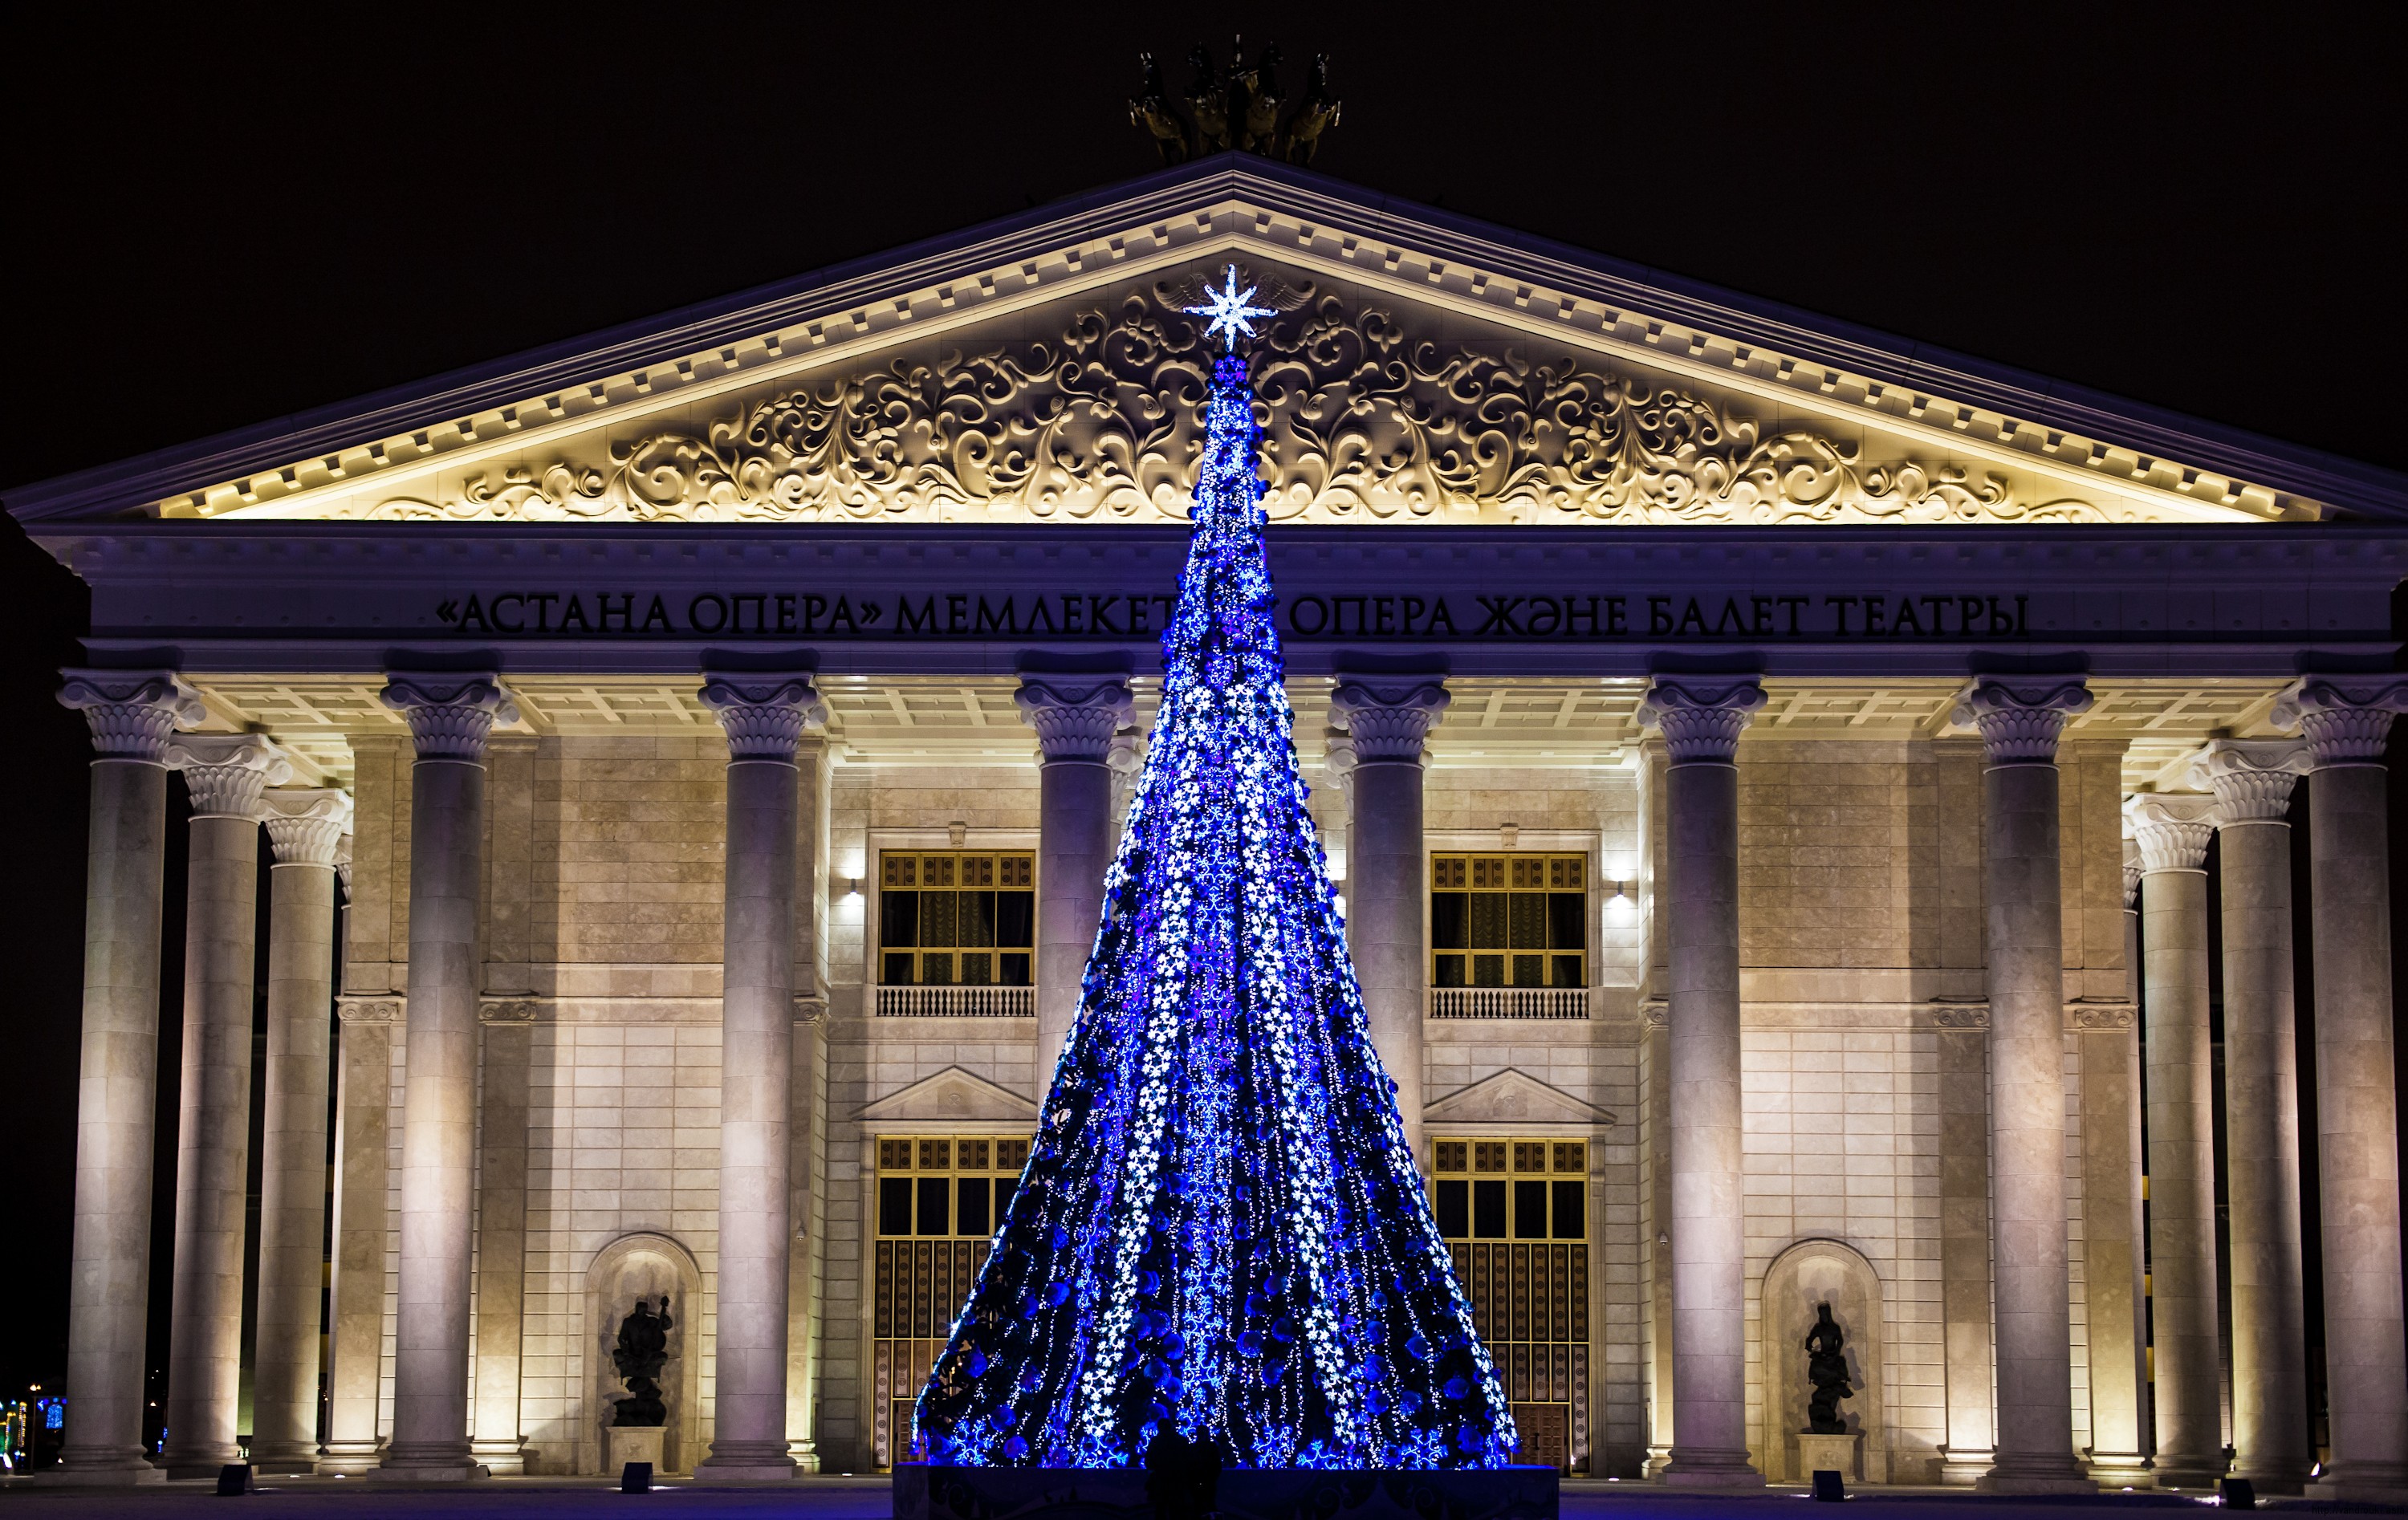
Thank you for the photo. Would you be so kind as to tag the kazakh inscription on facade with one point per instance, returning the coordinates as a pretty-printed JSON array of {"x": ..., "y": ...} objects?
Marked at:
[
  {"x": 961, "y": 614},
  {"x": 1360, "y": 421}
]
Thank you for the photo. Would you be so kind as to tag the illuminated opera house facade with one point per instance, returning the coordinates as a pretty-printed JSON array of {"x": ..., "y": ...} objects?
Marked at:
[{"x": 1770, "y": 768}]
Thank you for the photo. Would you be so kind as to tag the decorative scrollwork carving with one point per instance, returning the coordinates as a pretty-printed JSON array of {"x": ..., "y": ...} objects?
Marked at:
[{"x": 1359, "y": 422}]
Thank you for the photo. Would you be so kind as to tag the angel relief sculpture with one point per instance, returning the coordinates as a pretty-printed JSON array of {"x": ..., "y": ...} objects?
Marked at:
[{"x": 1359, "y": 422}]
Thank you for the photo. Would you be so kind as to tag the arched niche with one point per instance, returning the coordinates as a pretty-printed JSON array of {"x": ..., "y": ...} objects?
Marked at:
[
  {"x": 643, "y": 1265},
  {"x": 1808, "y": 1273}
]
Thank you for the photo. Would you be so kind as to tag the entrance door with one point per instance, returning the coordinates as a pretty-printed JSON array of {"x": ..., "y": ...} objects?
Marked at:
[
  {"x": 1515, "y": 1216},
  {"x": 938, "y": 1200}
]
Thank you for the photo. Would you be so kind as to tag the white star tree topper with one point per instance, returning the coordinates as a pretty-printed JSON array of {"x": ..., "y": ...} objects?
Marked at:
[{"x": 1231, "y": 316}]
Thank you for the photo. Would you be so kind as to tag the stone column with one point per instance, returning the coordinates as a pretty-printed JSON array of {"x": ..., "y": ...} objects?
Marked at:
[
  {"x": 364, "y": 1117},
  {"x": 765, "y": 717},
  {"x": 2019, "y": 721},
  {"x": 132, "y": 713},
  {"x": 450, "y": 717},
  {"x": 306, "y": 829},
  {"x": 2345, "y": 719},
  {"x": 1701, "y": 719},
  {"x": 2173, "y": 832},
  {"x": 226, "y": 774},
  {"x": 2252, "y": 779},
  {"x": 1387, "y": 872},
  {"x": 1075, "y": 726},
  {"x": 2112, "y": 1228}
]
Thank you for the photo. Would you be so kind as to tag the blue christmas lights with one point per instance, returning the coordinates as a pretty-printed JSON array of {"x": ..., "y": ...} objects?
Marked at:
[{"x": 1221, "y": 1227}]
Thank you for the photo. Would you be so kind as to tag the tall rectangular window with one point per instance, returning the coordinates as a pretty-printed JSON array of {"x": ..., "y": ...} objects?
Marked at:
[
  {"x": 956, "y": 918},
  {"x": 1509, "y": 921}
]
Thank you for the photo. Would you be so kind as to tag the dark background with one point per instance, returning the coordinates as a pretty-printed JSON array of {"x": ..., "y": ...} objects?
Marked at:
[{"x": 213, "y": 219}]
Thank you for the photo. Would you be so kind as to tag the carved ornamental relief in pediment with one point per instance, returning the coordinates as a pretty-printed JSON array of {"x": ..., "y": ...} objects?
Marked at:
[{"x": 1361, "y": 421}]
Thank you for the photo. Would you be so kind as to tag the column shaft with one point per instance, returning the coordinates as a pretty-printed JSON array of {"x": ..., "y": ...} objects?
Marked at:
[
  {"x": 2261, "y": 1105},
  {"x": 430, "y": 1397},
  {"x": 1385, "y": 886},
  {"x": 293, "y": 1167},
  {"x": 756, "y": 1066},
  {"x": 1709, "y": 1220},
  {"x": 2358, "y": 1153},
  {"x": 116, "y": 1087},
  {"x": 1074, "y": 851},
  {"x": 363, "y": 1122},
  {"x": 2182, "y": 1187}
]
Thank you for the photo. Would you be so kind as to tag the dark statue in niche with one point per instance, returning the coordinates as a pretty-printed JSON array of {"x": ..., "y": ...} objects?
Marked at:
[
  {"x": 1827, "y": 1371},
  {"x": 643, "y": 1350}
]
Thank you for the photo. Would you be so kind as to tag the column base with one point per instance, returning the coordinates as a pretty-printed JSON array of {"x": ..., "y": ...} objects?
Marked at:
[
  {"x": 2362, "y": 1483},
  {"x": 285, "y": 1458},
  {"x": 347, "y": 1458},
  {"x": 2185, "y": 1472},
  {"x": 2031, "y": 1472},
  {"x": 102, "y": 1470},
  {"x": 746, "y": 1461},
  {"x": 2119, "y": 1469},
  {"x": 442, "y": 1465},
  {"x": 1709, "y": 1467},
  {"x": 1658, "y": 1458},
  {"x": 806, "y": 1454},
  {"x": 502, "y": 1457},
  {"x": 1962, "y": 1466}
]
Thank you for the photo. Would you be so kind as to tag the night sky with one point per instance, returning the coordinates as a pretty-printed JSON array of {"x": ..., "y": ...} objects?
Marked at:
[{"x": 215, "y": 221}]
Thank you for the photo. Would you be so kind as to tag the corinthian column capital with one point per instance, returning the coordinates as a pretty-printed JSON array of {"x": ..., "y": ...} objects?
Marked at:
[
  {"x": 2173, "y": 829},
  {"x": 2345, "y": 719},
  {"x": 1075, "y": 723},
  {"x": 2252, "y": 778},
  {"x": 307, "y": 827},
  {"x": 226, "y": 773},
  {"x": 450, "y": 716},
  {"x": 1388, "y": 722},
  {"x": 764, "y": 716},
  {"x": 1700, "y": 716},
  {"x": 2019, "y": 718},
  {"x": 2133, "y": 867},
  {"x": 132, "y": 712}
]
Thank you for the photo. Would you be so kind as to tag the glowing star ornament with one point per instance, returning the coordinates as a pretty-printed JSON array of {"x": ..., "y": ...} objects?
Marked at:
[
  {"x": 1231, "y": 316},
  {"x": 1221, "y": 1229}
]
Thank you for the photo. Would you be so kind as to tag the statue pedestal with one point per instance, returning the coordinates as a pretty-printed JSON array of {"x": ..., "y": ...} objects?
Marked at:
[
  {"x": 625, "y": 1443},
  {"x": 1828, "y": 1454}
]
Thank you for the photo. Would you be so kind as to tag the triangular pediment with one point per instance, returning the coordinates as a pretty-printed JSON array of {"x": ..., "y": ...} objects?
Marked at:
[
  {"x": 1513, "y": 1097},
  {"x": 952, "y": 1096},
  {"x": 1423, "y": 370}
]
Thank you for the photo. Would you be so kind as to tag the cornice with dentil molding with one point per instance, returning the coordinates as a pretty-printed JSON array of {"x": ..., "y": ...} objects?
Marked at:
[
  {"x": 1075, "y": 723},
  {"x": 2173, "y": 829},
  {"x": 2019, "y": 718},
  {"x": 765, "y": 717},
  {"x": 227, "y": 773},
  {"x": 450, "y": 716},
  {"x": 308, "y": 827},
  {"x": 131, "y": 712},
  {"x": 2252, "y": 778},
  {"x": 2345, "y": 719},
  {"x": 1388, "y": 720},
  {"x": 1700, "y": 717}
]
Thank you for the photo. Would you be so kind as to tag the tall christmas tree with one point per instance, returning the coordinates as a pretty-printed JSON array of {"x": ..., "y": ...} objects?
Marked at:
[{"x": 1221, "y": 1229}]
